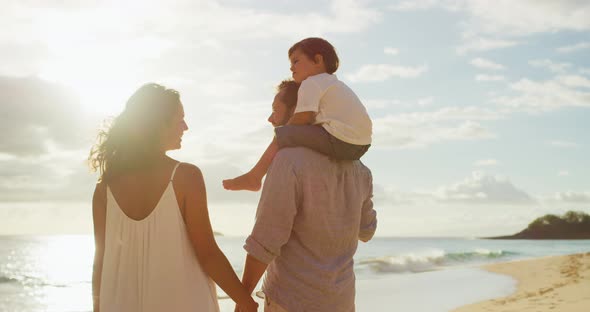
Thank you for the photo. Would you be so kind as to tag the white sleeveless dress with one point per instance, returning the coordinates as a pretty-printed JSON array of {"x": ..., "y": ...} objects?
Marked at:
[{"x": 150, "y": 265}]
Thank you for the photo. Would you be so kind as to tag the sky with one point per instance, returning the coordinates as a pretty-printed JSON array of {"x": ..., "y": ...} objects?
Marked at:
[{"x": 480, "y": 109}]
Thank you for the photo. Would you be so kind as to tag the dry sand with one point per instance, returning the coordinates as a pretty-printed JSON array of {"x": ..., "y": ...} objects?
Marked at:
[{"x": 560, "y": 283}]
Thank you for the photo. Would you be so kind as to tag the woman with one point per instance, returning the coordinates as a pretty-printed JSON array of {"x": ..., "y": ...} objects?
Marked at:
[{"x": 155, "y": 249}]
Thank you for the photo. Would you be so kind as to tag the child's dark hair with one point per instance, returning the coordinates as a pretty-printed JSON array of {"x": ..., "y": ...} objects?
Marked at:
[
  {"x": 289, "y": 88},
  {"x": 313, "y": 46}
]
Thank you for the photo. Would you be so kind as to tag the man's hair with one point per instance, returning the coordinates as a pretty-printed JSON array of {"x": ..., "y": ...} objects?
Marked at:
[
  {"x": 313, "y": 46},
  {"x": 289, "y": 88}
]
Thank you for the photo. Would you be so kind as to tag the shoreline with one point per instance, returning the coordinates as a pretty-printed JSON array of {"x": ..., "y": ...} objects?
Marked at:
[{"x": 555, "y": 283}]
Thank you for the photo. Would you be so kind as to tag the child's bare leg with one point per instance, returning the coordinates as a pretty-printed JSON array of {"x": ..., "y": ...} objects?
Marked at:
[{"x": 252, "y": 180}]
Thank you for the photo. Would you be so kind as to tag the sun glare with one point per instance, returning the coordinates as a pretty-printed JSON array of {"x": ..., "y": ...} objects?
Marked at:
[
  {"x": 58, "y": 276},
  {"x": 100, "y": 91}
]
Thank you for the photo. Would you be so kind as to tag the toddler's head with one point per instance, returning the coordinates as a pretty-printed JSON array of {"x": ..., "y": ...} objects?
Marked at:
[{"x": 312, "y": 56}]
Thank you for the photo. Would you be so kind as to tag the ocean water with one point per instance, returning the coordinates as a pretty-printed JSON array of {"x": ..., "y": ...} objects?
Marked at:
[{"x": 53, "y": 273}]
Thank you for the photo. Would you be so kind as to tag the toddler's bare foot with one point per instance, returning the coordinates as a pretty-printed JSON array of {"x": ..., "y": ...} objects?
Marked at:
[{"x": 246, "y": 182}]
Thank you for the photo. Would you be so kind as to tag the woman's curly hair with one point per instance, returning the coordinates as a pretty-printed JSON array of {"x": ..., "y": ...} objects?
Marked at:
[{"x": 133, "y": 139}]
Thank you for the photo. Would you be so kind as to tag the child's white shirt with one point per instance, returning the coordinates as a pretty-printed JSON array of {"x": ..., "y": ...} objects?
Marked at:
[{"x": 338, "y": 108}]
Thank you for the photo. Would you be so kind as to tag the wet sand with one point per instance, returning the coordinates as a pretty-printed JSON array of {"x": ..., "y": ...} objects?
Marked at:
[{"x": 560, "y": 283}]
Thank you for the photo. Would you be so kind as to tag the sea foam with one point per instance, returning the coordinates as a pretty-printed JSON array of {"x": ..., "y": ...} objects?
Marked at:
[{"x": 431, "y": 260}]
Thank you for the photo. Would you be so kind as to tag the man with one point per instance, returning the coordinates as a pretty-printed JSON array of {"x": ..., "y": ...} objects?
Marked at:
[{"x": 311, "y": 215}]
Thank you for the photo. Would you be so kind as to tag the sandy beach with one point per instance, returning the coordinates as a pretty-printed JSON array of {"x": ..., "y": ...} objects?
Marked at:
[{"x": 560, "y": 283}]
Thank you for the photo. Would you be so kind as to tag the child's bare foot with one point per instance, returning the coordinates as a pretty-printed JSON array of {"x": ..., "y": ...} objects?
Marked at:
[{"x": 246, "y": 182}]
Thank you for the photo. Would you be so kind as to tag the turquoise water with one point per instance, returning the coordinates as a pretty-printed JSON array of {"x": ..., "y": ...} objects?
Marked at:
[{"x": 53, "y": 273}]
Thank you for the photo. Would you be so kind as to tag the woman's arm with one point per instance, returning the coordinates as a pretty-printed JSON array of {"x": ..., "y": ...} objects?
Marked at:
[
  {"x": 98, "y": 217},
  {"x": 213, "y": 261},
  {"x": 253, "y": 271}
]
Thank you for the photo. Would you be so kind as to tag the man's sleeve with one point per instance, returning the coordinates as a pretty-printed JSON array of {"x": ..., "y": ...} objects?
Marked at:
[
  {"x": 368, "y": 224},
  {"x": 308, "y": 97},
  {"x": 276, "y": 211}
]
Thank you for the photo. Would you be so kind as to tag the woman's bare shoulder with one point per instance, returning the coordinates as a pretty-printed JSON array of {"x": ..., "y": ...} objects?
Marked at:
[
  {"x": 188, "y": 173},
  {"x": 100, "y": 192}
]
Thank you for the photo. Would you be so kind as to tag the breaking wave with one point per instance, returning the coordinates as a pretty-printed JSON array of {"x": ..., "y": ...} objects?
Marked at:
[{"x": 431, "y": 260}]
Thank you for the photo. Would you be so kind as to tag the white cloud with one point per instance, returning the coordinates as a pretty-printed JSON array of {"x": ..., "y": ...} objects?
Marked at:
[
  {"x": 390, "y": 195},
  {"x": 550, "y": 65},
  {"x": 498, "y": 24},
  {"x": 489, "y": 24},
  {"x": 382, "y": 72},
  {"x": 34, "y": 113},
  {"x": 486, "y": 162},
  {"x": 468, "y": 130},
  {"x": 6, "y": 156},
  {"x": 421, "y": 129},
  {"x": 478, "y": 44},
  {"x": 182, "y": 37},
  {"x": 574, "y": 48},
  {"x": 414, "y": 5},
  {"x": 224, "y": 85},
  {"x": 572, "y": 197},
  {"x": 486, "y": 64},
  {"x": 195, "y": 46},
  {"x": 392, "y": 135},
  {"x": 450, "y": 113},
  {"x": 563, "y": 173},
  {"x": 196, "y": 20},
  {"x": 482, "y": 188},
  {"x": 455, "y": 114},
  {"x": 542, "y": 96},
  {"x": 390, "y": 51},
  {"x": 58, "y": 48},
  {"x": 525, "y": 17},
  {"x": 484, "y": 77},
  {"x": 564, "y": 144},
  {"x": 425, "y": 101},
  {"x": 379, "y": 103},
  {"x": 574, "y": 81},
  {"x": 386, "y": 103},
  {"x": 59, "y": 175}
]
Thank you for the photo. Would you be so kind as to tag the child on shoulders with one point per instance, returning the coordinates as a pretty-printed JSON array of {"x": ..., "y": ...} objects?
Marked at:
[{"x": 329, "y": 117}]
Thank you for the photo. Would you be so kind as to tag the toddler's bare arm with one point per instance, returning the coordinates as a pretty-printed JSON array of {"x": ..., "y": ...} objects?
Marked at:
[{"x": 302, "y": 118}]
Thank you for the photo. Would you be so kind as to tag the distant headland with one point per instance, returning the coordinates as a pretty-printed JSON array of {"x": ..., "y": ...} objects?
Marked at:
[{"x": 572, "y": 225}]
